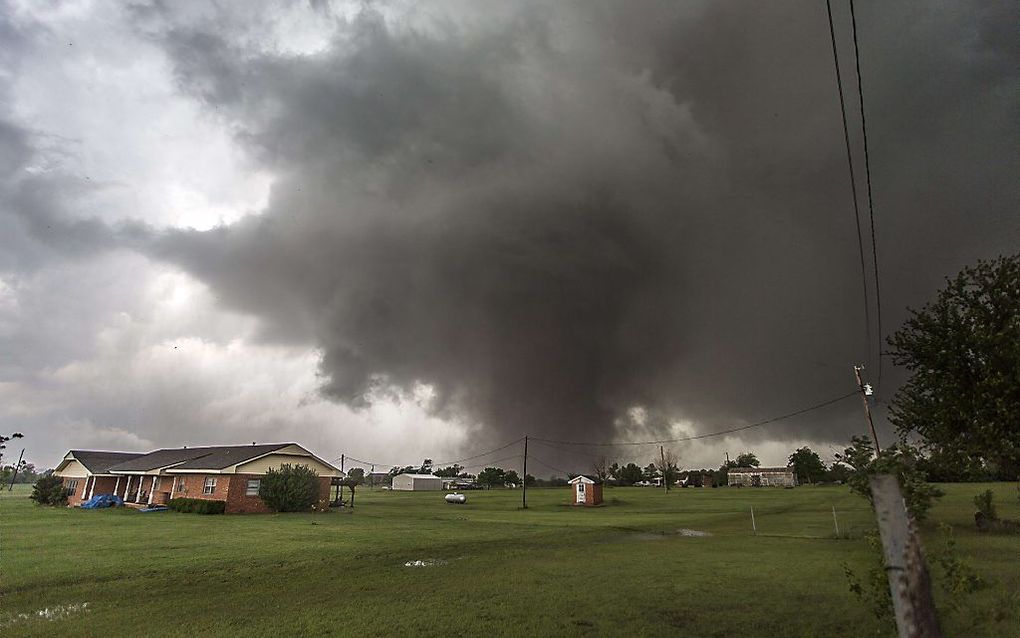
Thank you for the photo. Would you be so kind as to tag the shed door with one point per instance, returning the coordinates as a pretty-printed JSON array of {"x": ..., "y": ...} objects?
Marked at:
[{"x": 580, "y": 492}]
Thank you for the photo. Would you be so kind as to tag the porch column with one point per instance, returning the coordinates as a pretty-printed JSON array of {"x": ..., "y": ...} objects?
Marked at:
[
  {"x": 93, "y": 488},
  {"x": 152, "y": 489},
  {"x": 138, "y": 494},
  {"x": 127, "y": 488},
  {"x": 173, "y": 484},
  {"x": 116, "y": 486}
]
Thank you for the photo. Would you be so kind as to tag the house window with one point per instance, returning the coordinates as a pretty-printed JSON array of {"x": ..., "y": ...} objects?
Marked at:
[
  {"x": 180, "y": 484},
  {"x": 72, "y": 485},
  {"x": 253, "y": 487},
  {"x": 210, "y": 485}
]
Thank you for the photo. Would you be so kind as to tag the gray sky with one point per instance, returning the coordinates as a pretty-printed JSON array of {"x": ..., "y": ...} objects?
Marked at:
[{"x": 424, "y": 229}]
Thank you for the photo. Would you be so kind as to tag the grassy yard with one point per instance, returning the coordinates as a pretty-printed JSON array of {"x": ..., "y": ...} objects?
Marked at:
[{"x": 491, "y": 569}]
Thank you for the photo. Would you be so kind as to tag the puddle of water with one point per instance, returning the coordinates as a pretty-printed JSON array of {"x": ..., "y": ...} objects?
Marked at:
[
  {"x": 48, "y": 613},
  {"x": 428, "y": 562},
  {"x": 692, "y": 532}
]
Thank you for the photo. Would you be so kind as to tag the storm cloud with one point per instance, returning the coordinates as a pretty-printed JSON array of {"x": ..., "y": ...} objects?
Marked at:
[{"x": 590, "y": 220}]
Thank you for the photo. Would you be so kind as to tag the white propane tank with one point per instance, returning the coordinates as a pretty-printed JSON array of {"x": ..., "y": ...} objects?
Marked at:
[{"x": 456, "y": 498}]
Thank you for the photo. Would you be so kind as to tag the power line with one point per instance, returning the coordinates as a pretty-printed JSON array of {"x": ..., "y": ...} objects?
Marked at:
[
  {"x": 853, "y": 180},
  {"x": 871, "y": 205},
  {"x": 435, "y": 463},
  {"x": 708, "y": 434},
  {"x": 551, "y": 467}
]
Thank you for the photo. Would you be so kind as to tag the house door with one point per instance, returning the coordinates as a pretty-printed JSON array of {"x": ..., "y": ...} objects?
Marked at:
[{"x": 580, "y": 492}]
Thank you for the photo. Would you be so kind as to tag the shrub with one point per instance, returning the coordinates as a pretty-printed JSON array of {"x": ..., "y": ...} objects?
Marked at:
[
  {"x": 292, "y": 488},
  {"x": 197, "y": 506},
  {"x": 49, "y": 490},
  {"x": 984, "y": 503},
  {"x": 900, "y": 460}
]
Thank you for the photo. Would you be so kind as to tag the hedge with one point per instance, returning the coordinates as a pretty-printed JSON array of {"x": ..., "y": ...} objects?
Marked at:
[{"x": 197, "y": 505}]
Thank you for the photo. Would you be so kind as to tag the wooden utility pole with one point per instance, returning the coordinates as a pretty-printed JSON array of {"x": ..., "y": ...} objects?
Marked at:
[
  {"x": 524, "y": 479},
  {"x": 867, "y": 408},
  {"x": 17, "y": 466},
  {"x": 662, "y": 455},
  {"x": 909, "y": 581},
  {"x": 342, "y": 459}
]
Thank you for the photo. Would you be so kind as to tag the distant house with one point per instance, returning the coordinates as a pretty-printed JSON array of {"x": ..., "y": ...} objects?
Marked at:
[
  {"x": 761, "y": 477},
  {"x": 587, "y": 492},
  {"x": 417, "y": 482},
  {"x": 230, "y": 473}
]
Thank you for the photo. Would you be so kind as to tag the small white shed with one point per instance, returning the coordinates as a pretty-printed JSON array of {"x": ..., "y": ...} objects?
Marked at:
[{"x": 417, "y": 482}]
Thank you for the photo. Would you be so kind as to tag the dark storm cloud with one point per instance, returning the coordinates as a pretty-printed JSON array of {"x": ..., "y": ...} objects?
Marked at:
[{"x": 559, "y": 213}]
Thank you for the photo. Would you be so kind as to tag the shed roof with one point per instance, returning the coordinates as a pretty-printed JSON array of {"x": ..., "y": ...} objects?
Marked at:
[
  {"x": 421, "y": 476},
  {"x": 746, "y": 470},
  {"x": 581, "y": 479},
  {"x": 98, "y": 461}
]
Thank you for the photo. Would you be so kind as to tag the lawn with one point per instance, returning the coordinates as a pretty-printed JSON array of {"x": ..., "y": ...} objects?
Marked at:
[{"x": 489, "y": 568}]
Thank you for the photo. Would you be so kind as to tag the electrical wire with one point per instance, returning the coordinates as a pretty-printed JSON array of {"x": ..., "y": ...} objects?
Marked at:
[
  {"x": 774, "y": 419},
  {"x": 853, "y": 180},
  {"x": 871, "y": 204},
  {"x": 439, "y": 463},
  {"x": 548, "y": 466}
]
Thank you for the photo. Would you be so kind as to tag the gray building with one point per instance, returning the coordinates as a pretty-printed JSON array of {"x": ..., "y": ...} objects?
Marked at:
[{"x": 761, "y": 477}]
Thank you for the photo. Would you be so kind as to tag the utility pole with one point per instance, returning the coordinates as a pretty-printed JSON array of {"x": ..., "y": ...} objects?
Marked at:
[
  {"x": 865, "y": 391},
  {"x": 524, "y": 479},
  {"x": 727, "y": 459},
  {"x": 342, "y": 462},
  {"x": 17, "y": 466},
  {"x": 665, "y": 486}
]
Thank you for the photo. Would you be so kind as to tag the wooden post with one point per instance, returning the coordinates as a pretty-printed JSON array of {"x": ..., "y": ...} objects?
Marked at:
[
  {"x": 867, "y": 408},
  {"x": 14, "y": 474},
  {"x": 834, "y": 521},
  {"x": 662, "y": 455},
  {"x": 754, "y": 527},
  {"x": 524, "y": 479},
  {"x": 909, "y": 582}
]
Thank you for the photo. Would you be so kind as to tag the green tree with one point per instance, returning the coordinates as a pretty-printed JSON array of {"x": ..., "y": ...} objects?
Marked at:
[
  {"x": 650, "y": 473},
  {"x": 629, "y": 474},
  {"x": 49, "y": 490},
  {"x": 511, "y": 478},
  {"x": 668, "y": 467},
  {"x": 529, "y": 480},
  {"x": 491, "y": 476},
  {"x": 353, "y": 479},
  {"x": 899, "y": 459},
  {"x": 807, "y": 465},
  {"x": 452, "y": 471},
  {"x": 292, "y": 488},
  {"x": 747, "y": 459},
  {"x": 963, "y": 353}
]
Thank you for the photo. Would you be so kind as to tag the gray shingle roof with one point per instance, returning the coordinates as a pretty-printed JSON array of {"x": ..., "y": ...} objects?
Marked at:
[
  {"x": 197, "y": 458},
  {"x": 98, "y": 462}
]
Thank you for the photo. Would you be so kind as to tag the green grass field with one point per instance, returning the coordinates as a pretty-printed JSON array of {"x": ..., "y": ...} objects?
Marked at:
[{"x": 552, "y": 570}]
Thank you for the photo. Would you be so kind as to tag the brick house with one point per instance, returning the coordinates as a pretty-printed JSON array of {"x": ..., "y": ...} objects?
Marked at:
[{"x": 230, "y": 473}]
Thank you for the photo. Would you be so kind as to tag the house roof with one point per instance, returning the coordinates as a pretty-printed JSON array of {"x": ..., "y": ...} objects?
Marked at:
[
  {"x": 581, "y": 479},
  {"x": 746, "y": 470},
  {"x": 198, "y": 458},
  {"x": 98, "y": 461}
]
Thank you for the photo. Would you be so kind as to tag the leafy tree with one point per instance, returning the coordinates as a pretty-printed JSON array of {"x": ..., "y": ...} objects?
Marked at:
[
  {"x": 963, "y": 353},
  {"x": 899, "y": 459},
  {"x": 747, "y": 459},
  {"x": 452, "y": 471},
  {"x": 807, "y": 465},
  {"x": 511, "y": 478},
  {"x": 838, "y": 473},
  {"x": 5, "y": 438},
  {"x": 650, "y": 473},
  {"x": 292, "y": 488},
  {"x": 426, "y": 467},
  {"x": 353, "y": 479},
  {"x": 529, "y": 480},
  {"x": 49, "y": 490},
  {"x": 629, "y": 474},
  {"x": 491, "y": 476},
  {"x": 614, "y": 472}
]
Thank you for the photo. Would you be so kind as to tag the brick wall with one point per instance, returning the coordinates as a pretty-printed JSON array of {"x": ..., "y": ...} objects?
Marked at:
[
  {"x": 194, "y": 485},
  {"x": 238, "y": 502},
  {"x": 76, "y": 497}
]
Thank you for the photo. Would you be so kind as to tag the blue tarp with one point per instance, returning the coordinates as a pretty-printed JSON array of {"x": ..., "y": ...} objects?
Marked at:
[{"x": 102, "y": 500}]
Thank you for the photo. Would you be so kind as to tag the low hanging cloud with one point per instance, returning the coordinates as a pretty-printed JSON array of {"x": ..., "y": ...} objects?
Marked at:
[
  {"x": 555, "y": 215},
  {"x": 551, "y": 215}
]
